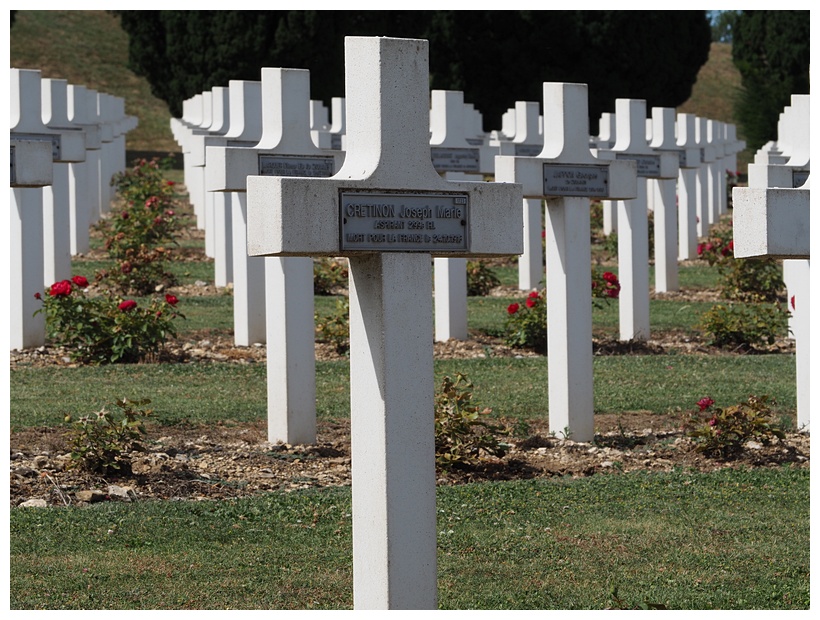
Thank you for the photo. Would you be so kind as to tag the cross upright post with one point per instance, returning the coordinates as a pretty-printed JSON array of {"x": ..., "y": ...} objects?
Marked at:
[
  {"x": 567, "y": 175},
  {"x": 388, "y": 211}
]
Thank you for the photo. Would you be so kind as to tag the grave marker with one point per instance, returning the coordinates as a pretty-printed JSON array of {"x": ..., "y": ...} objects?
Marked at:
[
  {"x": 665, "y": 202},
  {"x": 707, "y": 156},
  {"x": 273, "y": 296},
  {"x": 451, "y": 155},
  {"x": 775, "y": 222},
  {"x": 82, "y": 175},
  {"x": 57, "y": 196},
  {"x": 633, "y": 231},
  {"x": 687, "y": 187},
  {"x": 387, "y": 176},
  {"x": 567, "y": 174}
]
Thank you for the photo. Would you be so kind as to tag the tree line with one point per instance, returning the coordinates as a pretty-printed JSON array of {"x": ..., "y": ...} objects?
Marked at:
[{"x": 494, "y": 57}]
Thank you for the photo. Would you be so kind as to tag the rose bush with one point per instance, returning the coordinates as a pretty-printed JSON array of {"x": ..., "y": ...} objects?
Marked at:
[
  {"x": 139, "y": 235},
  {"x": 526, "y": 324},
  {"x": 106, "y": 329}
]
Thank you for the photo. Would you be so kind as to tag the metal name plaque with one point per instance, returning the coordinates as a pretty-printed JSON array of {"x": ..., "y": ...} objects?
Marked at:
[
  {"x": 242, "y": 143},
  {"x": 54, "y": 138},
  {"x": 403, "y": 222},
  {"x": 295, "y": 166},
  {"x": 799, "y": 178},
  {"x": 582, "y": 181},
  {"x": 454, "y": 159},
  {"x": 528, "y": 150},
  {"x": 648, "y": 166}
]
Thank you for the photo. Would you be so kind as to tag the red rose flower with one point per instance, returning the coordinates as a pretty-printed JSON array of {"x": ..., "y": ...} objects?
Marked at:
[
  {"x": 171, "y": 299},
  {"x": 512, "y": 308},
  {"x": 128, "y": 304},
  {"x": 151, "y": 202},
  {"x": 80, "y": 281},
  {"x": 60, "y": 289},
  {"x": 124, "y": 215},
  {"x": 792, "y": 300},
  {"x": 700, "y": 249},
  {"x": 612, "y": 292},
  {"x": 171, "y": 183},
  {"x": 610, "y": 277},
  {"x": 38, "y": 296},
  {"x": 169, "y": 213},
  {"x": 713, "y": 421},
  {"x": 533, "y": 295},
  {"x": 530, "y": 302},
  {"x": 543, "y": 234},
  {"x": 705, "y": 403}
]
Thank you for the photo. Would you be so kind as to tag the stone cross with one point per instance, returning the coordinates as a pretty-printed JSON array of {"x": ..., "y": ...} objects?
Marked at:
[
  {"x": 273, "y": 296},
  {"x": 767, "y": 221},
  {"x": 31, "y": 168},
  {"x": 30, "y": 172},
  {"x": 665, "y": 203},
  {"x": 775, "y": 222},
  {"x": 82, "y": 175},
  {"x": 687, "y": 186},
  {"x": 57, "y": 196},
  {"x": 604, "y": 142},
  {"x": 707, "y": 157},
  {"x": 388, "y": 211},
  {"x": 528, "y": 141},
  {"x": 567, "y": 174},
  {"x": 717, "y": 171},
  {"x": 452, "y": 156},
  {"x": 633, "y": 232}
]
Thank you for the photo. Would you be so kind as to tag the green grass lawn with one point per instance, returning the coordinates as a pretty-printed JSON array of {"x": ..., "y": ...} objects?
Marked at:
[{"x": 733, "y": 539}]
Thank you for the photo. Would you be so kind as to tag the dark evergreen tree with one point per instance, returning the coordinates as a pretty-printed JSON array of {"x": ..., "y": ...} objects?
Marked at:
[
  {"x": 771, "y": 51},
  {"x": 495, "y": 57}
]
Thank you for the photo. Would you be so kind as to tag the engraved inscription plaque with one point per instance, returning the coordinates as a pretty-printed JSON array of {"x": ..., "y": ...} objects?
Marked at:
[
  {"x": 648, "y": 166},
  {"x": 799, "y": 177},
  {"x": 528, "y": 150},
  {"x": 403, "y": 222},
  {"x": 454, "y": 159},
  {"x": 582, "y": 181},
  {"x": 54, "y": 138},
  {"x": 295, "y": 166}
]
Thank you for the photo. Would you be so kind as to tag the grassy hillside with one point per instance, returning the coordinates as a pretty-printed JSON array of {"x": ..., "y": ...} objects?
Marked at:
[{"x": 90, "y": 48}]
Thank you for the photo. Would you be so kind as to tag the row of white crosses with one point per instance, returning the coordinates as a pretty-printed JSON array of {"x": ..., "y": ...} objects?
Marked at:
[
  {"x": 771, "y": 218},
  {"x": 707, "y": 149},
  {"x": 67, "y": 142}
]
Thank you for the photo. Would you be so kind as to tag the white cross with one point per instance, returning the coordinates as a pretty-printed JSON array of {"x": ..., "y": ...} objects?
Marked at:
[
  {"x": 388, "y": 181},
  {"x": 568, "y": 175}
]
